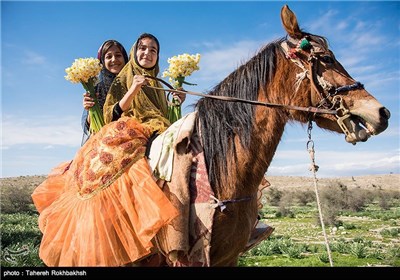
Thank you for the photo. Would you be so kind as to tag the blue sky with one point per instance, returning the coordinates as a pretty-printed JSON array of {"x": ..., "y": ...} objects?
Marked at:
[{"x": 40, "y": 110}]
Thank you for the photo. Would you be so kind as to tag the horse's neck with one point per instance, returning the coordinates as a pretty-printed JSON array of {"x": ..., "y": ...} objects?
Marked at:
[{"x": 251, "y": 164}]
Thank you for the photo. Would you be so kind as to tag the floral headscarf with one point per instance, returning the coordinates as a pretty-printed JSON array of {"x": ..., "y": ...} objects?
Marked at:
[
  {"x": 104, "y": 83},
  {"x": 106, "y": 77},
  {"x": 149, "y": 106}
]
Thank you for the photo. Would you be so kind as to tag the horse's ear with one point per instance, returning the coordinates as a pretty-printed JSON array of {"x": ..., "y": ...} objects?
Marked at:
[{"x": 290, "y": 23}]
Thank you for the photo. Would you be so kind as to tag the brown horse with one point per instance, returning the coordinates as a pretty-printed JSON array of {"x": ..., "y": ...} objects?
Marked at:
[{"x": 299, "y": 79}]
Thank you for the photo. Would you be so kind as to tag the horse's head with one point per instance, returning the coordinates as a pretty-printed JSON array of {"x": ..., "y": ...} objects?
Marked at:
[{"x": 358, "y": 114}]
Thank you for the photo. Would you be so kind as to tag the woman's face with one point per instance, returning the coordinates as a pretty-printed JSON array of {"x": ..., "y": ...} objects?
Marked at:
[
  {"x": 146, "y": 53},
  {"x": 114, "y": 60}
]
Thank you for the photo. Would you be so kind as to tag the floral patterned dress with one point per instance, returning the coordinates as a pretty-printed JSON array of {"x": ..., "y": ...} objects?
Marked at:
[{"x": 103, "y": 208}]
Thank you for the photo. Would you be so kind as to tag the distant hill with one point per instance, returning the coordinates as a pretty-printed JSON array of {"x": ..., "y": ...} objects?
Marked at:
[{"x": 386, "y": 182}]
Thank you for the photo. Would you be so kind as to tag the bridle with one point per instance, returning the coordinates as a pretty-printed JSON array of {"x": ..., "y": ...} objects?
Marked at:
[
  {"x": 330, "y": 101},
  {"x": 323, "y": 94},
  {"x": 325, "y": 98}
]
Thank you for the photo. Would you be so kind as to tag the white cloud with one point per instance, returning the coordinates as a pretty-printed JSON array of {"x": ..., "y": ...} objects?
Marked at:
[
  {"x": 43, "y": 130},
  {"x": 365, "y": 40},
  {"x": 217, "y": 63},
  {"x": 320, "y": 24},
  {"x": 32, "y": 58},
  {"x": 335, "y": 163}
]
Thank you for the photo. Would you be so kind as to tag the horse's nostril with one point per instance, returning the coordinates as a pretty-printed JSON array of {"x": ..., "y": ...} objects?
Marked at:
[{"x": 385, "y": 113}]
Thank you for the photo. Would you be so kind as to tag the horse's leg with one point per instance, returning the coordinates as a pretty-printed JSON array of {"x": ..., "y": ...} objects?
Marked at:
[
  {"x": 234, "y": 263},
  {"x": 155, "y": 260}
]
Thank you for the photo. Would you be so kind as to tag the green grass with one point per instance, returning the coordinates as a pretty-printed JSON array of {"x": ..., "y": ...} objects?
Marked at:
[
  {"x": 20, "y": 240},
  {"x": 365, "y": 238}
]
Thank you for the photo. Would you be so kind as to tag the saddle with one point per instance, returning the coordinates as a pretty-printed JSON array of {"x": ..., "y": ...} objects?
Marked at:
[{"x": 177, "y": 161}]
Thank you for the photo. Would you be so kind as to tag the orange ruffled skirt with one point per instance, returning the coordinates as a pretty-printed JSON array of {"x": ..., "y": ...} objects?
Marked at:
[{"x": 110, "y": 225}]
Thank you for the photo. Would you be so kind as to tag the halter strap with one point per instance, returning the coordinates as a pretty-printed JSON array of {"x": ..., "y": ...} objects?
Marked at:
[{"x": 356, "y": 85}]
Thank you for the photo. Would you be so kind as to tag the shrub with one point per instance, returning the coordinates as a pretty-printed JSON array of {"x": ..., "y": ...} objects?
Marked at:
[
  {"x": 383, "y": 201},
  {"x": 323, "y": 257},
  {"x": 356, "y": 200},
  {"x": 341, "y": 247},
  {"x": 16, "y": 199},
  {"x": 359, "y": 250},
  {"x": 285, "y": 204},
  {"x": 273, "y": 196},
  {"x": 305, "y": 197},
  {"x": 295, "y": 251},
  {"x": 349, "y": 226},
  {"x": 377, "y": 254},
  {"x": 392, "y": 232}
]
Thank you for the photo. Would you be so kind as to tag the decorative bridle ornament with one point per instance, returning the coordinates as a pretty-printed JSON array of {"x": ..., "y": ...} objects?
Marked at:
[{"x": 323, "y": 94}]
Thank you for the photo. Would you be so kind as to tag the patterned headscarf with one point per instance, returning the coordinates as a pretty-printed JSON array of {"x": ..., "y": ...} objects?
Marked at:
[
  {"x": 104, "y": 83},
  {"x": 106, "y": 77},
  {"x": 149, "y": 106}
]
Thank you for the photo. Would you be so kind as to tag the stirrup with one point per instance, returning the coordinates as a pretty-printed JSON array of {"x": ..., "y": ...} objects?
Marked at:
[{"x": 259, "y": 233}]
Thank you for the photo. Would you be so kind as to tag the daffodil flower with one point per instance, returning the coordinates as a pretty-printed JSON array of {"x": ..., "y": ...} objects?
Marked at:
[
  {"x": 85, "y": 71},
  {"x": 180, "y": 66}
]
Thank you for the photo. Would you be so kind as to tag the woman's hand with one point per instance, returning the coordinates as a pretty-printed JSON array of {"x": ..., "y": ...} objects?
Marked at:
[
  {"x": 179, "y": 95},
  {"x": 88, "y": 102},
  {"x": 138, "y": 82}
]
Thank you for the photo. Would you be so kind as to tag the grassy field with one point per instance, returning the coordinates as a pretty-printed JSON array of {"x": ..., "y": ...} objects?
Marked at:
[{"x": 362, "y": 226}]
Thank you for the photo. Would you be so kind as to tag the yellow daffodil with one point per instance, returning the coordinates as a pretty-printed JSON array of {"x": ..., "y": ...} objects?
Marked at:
[
  {"x": 180, "y": 66},
  {"x": 85, "y": 71}
]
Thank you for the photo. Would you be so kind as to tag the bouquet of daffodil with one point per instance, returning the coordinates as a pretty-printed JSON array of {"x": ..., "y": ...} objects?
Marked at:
[
  {"x": 85, "y": 71},
  {"x": 180, "y": 66}
]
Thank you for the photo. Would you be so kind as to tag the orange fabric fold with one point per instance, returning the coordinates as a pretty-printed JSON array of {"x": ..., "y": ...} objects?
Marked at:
[
  {"x": 111, "y": 226},
  {"x": 51, "y": 188}
]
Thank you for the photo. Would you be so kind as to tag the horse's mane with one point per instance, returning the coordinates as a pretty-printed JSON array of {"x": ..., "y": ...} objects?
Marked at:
[{"x": 221, "y": 120}]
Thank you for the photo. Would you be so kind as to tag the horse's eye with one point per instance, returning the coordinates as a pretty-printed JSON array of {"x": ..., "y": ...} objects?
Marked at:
[{"x": 327, "y": 59}]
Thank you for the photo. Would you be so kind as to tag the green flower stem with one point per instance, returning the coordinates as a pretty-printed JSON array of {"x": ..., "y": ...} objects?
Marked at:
[
  {"x": 180, "y": 81},
  {"x": 95, "y": 113},
  {"x": 174, "y": 109},
  {"x": 190, "y": 84}
]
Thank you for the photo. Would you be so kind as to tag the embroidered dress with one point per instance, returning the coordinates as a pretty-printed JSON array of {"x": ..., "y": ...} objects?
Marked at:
[{"x": 103, "y": 208}]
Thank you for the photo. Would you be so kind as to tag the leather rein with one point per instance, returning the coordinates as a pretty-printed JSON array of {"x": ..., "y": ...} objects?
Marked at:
[
  {"x": 235, "y": 99},
  {"x": 325, "y": 91},
  {"x": 340, "y": 112},
  {"x": 327, "y": 95},
  {"x": 330, "y": 101}
]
